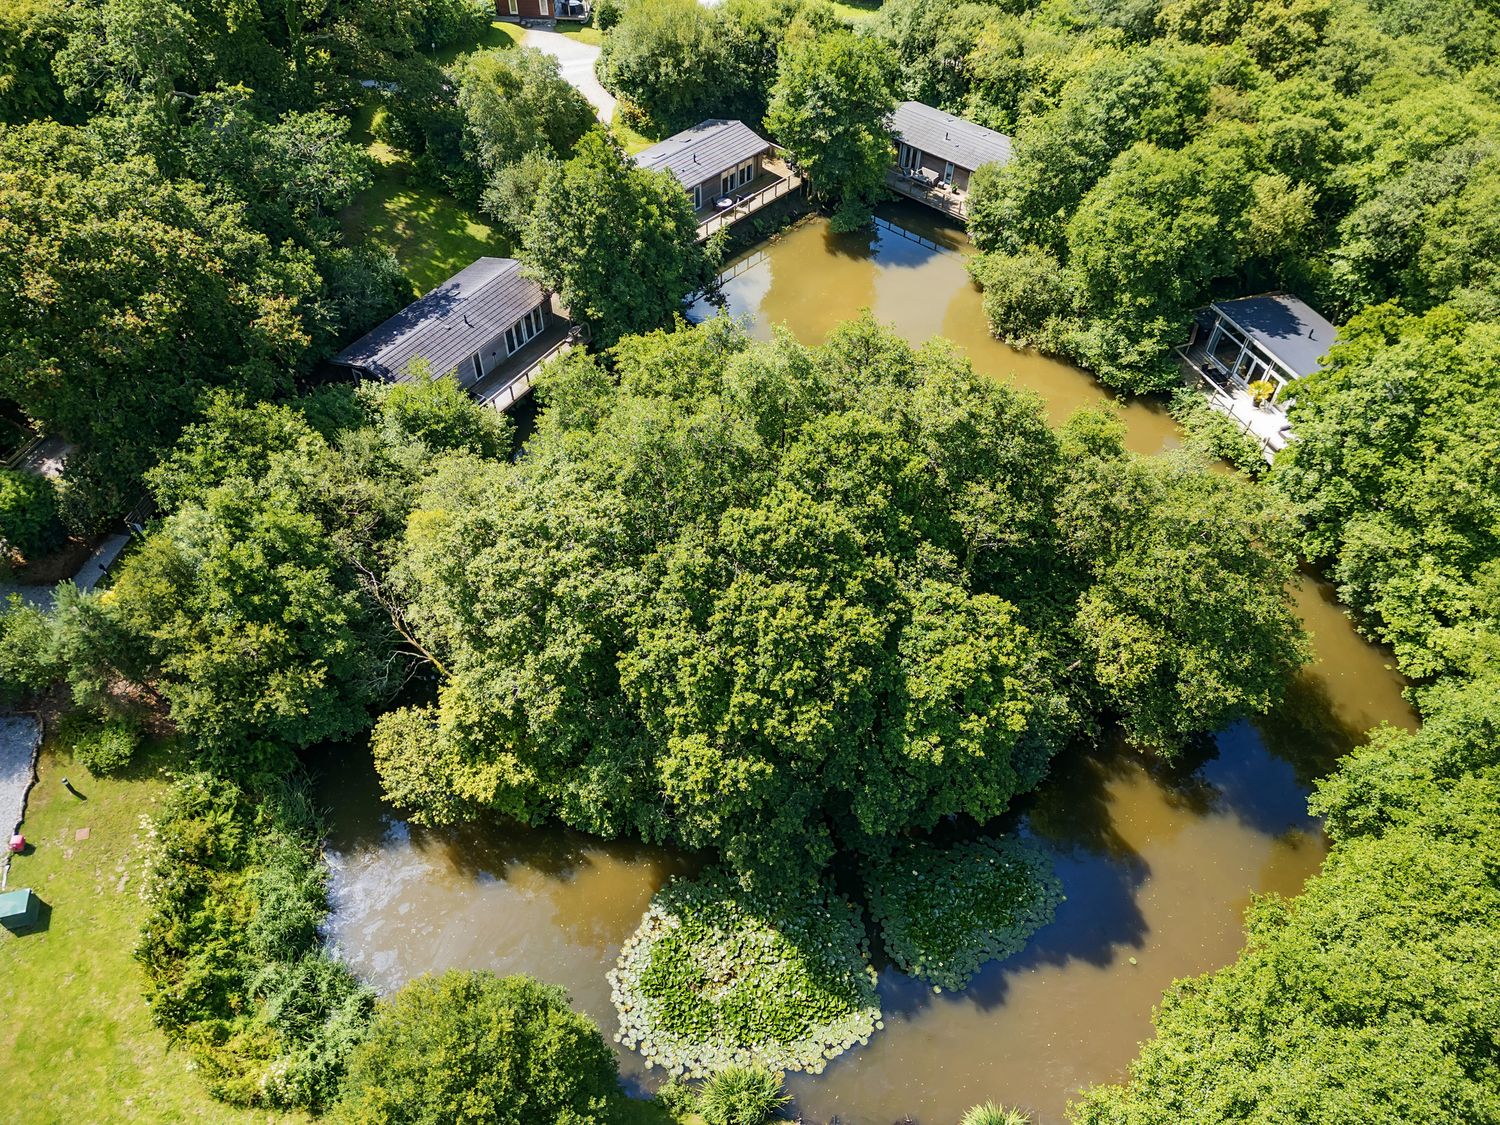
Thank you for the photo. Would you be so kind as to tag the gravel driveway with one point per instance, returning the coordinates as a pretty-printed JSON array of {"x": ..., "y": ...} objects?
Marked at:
[
  {"x": 19, "y": 737},
  {"x": 577, "y": 62}
]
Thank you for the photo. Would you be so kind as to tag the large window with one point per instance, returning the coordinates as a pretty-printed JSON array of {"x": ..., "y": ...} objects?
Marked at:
[{"x": 518, "y": 335}]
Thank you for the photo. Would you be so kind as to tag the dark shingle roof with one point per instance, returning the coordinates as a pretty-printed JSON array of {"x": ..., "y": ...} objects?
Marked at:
[
  {"x": 1286, "y": 327},
  {"x": 450, "y": 324},
  {"x": 952, "y": 138},
  {"x": 704, "y": 151}
]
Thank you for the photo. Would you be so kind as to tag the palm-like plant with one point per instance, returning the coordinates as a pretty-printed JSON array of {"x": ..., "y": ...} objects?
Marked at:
[
  {"x": 991, "y": 1114},
  {"x": 741, "y": 1095}
]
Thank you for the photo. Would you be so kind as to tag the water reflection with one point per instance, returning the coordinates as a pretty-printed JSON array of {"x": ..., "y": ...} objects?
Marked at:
[
  {"x": 909, "y": 270},
  {"x": 1158, "y": 864}
]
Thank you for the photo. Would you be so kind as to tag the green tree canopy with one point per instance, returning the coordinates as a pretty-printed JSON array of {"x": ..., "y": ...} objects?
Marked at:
[
  {"x": 1396, "y": 475},
  {"x": 829, "y": 108},
  {"x": 1186, "y": 623},
  {"x": 515, "y": 103},
  {"x": 476, "y": 1048},
  {"x": 779, "y": 601},
  {"x": 617, "y": 243},
  {"x": 124, "y": 295}
]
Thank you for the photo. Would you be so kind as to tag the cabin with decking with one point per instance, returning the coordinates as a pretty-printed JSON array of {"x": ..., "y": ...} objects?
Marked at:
[
  {"x": 542, "y": 10},
  {"x": 1248, "y": 354},
  {"x": 727, "y": 169},
  {"x": 489, "y": 326},
  {"x": 937, "y": 153}
]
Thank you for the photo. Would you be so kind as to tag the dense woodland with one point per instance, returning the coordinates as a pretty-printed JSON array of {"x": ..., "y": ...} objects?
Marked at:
[{"x": 789, "y": 605}]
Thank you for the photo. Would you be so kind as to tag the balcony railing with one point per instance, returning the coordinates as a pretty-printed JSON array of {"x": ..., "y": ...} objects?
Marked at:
[
  {"x": 935, "y": 196},
  {"x": 747, "y": 206},
  {"x": 507, "y": 394}
]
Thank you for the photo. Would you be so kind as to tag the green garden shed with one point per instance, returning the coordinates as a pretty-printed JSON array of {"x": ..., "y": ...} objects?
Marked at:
[{"x": 19, "y": 909}]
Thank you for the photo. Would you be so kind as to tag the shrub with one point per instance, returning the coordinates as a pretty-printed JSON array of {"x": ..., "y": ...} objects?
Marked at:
[
  {"x": 29, "y": 660},
  {"x": 1215, "y": 434},
  {"x": 607, "y": 13},
  {"x": 234, "y": 967},
  {"x": 718, "y": 977},
  {"x": 29, "y": 523},
  {"x": 944, "y": 912},
  {"x": 991, "y": 1114},
  {"x": 741, "y": 1095},
  {"x": 480, "y": 1048},
  {"x": 103, "y": 746}
]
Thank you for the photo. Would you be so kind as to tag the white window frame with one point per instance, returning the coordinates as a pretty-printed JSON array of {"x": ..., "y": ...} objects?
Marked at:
[
  {"x": 513, "y": 8},
  {"x": 747, "y": 172},
  {"x": 948, "y": 171}
]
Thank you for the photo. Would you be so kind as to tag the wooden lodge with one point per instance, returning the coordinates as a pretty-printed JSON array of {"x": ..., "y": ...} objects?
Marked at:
[
  {"x": 489, "y": 326},
  {"x": 1248, "y": 354},
  {"x": 727, "y": 169},
  {"x": 936, "y": 153},
  {"x": 542, "y": 10}
]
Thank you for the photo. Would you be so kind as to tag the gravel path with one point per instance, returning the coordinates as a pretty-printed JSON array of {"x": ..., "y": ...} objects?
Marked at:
[
  {"x": 19, "y": 737},
  {"x": 577, "y": 64}
]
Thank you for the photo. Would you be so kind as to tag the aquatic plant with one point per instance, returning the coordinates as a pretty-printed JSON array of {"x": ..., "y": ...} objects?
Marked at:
[
  {"x": 718, "y": 977},
  {"x": 944, "y": 911},
  {"x": 741, "y": 1095},
  {"x": 991, "y": 1114}
]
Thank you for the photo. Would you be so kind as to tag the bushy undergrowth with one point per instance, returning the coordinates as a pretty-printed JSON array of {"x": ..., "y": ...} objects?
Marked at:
[
  {"x": 234, "y": 966},
  {"x": 29, "y": 523},
  {"x": 944, "y": 911},
  {"x": 717, "y": 977},
  {"x": 1215, "y": 434},
  {"x": 103, "y": 746},
  {"x": 988, "y": 1113}
]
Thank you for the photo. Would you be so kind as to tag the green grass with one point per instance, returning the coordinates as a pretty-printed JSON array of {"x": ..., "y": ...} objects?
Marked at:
[
  {"x": 77, "y": 1040},
  {"x": 856, "y": 11},
  {"x": 432, "y": 235},
  {"x": 498, "y": 36},
  {"x": 584, "y": 33},
  {"x": 632, "y": 141}
]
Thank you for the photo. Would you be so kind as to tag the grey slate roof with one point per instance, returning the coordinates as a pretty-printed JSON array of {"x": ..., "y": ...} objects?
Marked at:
[
  {"x": 706, "y": 150},
  {"x": 1285, "y": 326},
  {"x": 448, "y": 325},
  {"x": 948, "y": 137}
]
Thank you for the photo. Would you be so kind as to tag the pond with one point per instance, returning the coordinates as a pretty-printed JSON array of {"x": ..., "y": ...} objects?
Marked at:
[{"x": 1158, "y": 866}]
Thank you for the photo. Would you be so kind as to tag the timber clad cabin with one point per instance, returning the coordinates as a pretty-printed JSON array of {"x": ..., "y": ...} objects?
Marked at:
[
  {"x": 712, "y": 161},
  {"x": 1249, "y": 352},
  {"x": 488, "y": 325},
  {"x": 936, "y": 153},
  {"x": 542, "y": 10}
]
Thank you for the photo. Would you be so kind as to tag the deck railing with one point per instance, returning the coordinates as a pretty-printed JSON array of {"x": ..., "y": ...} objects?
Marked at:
[
  {"x": 502, "y": 398},
  {"x": 1221, "y": 398},
  {"x": 748, "y": 206},
  {"x": 935, "y": 197}
]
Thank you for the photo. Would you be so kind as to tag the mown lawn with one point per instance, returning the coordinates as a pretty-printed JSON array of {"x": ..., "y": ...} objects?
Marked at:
[
  {"x": 856, "y": 10},
  {"x": 432, "y": 235},
  {"x": 76, "y": 1039}
]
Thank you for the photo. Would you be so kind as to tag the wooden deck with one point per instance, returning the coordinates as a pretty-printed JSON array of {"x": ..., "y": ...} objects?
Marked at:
[
  {"x": 1267, "y": 425},
  {"x": 510, "y": 382},
  {"x": 777, "y": 181},
  {"x": 949, "y": 202}
]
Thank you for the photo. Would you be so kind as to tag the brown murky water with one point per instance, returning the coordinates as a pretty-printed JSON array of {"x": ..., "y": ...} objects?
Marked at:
[
  {"x": 1158, "y": 866},
  {"x": 909, "y": 271}
]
